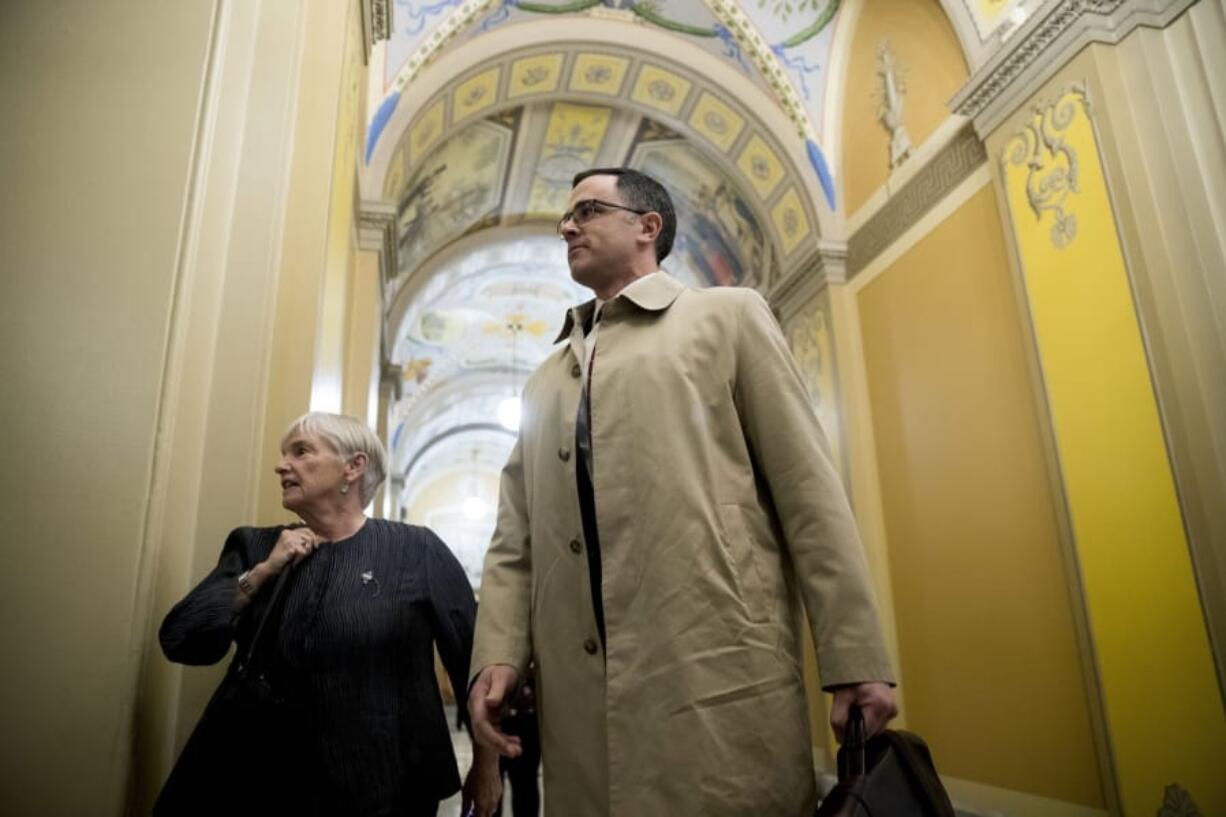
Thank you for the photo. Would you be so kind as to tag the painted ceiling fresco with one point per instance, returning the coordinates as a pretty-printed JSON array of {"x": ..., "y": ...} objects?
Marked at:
[
  {"x": 496, "y": 309},
  {"x": 481, "y": 173},
  {"x": 719, "y": 239},
  {"x": 740, "y": 215},
  {"x": 471, "y": 336},
  {"x": 692, "y": 19},
  {"x": 782, "y": 45}
]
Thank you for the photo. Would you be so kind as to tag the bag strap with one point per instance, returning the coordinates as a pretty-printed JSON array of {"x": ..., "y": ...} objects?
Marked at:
[{"x": 277, "y": 589}]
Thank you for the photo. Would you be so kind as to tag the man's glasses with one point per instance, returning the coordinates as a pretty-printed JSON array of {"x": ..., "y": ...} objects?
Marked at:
[{"x": 586, "y": 210}]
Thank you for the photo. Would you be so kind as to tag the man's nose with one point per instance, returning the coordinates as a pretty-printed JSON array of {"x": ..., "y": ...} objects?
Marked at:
[{"x": 569, "y": 229}]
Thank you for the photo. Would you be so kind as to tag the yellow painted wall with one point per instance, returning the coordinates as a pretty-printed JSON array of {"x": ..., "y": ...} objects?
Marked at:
[
  {"x": 933, "y": 69},
  {"x": 1162, "y": 700},
  {"x": 989, "y": 659},
  {"x": 100, "y": 104}
]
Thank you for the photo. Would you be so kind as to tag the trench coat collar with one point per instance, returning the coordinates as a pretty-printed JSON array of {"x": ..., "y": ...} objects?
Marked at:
[{"x": 653, "y": 293}]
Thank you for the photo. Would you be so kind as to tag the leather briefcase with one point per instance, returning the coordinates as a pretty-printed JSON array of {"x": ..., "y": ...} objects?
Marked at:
[{"x": 890, "y": 775}]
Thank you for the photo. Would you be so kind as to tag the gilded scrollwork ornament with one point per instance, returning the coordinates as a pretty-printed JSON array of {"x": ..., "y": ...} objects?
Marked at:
[{"x": 1051, "y": 164}]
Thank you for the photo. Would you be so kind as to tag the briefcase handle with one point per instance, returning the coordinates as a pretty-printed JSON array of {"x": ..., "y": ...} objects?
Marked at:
[{"x": 851, "y": 759}]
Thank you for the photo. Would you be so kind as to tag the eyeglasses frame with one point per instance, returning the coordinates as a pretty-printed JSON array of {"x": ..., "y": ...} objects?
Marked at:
[{"x": 570, "y": 214}]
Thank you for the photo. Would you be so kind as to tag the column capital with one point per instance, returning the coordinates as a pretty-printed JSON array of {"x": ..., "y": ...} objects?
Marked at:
[
  {"x": 377, "y": 233},
  {"x": 827, "y": 264}
]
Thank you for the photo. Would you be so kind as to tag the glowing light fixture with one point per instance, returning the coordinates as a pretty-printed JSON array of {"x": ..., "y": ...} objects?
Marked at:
[
  {"x": 509, "y": 407},
  {"x": 474, "y": 508},
  {"x": 508, "y": 413}
]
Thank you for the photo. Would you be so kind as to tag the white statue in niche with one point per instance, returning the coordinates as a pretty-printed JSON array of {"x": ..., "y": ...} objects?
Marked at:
[{"x": 892, "y": 92}]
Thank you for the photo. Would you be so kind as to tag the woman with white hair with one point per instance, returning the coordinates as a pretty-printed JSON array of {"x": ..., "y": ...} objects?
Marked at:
[{"x": 346, "y": 650}]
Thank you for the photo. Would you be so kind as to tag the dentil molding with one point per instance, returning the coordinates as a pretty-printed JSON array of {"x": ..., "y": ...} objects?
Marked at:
[{"x": 1045, "y": 43}]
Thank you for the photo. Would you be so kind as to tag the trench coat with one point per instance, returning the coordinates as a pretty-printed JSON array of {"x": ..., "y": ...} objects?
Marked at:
[{"x": 717, "y": 506}]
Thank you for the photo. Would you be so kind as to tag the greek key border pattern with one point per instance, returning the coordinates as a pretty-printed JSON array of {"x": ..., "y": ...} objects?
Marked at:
[{"x": 958, "y": 160}]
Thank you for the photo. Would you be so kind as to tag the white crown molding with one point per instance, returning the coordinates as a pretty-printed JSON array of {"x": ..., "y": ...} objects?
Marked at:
[
  {"x": 376, "y": 24},
  {"x": 1044, "y": 44}
]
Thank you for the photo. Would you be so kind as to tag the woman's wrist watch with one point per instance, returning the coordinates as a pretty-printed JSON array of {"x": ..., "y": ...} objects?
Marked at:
[{"x": 244, "y": 583}]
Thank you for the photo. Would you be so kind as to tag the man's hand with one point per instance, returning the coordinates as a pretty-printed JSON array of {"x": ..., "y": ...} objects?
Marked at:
[
  {"x": 876, "y": 702},
  {"x": 490, "y": 692},
  {"x": 483, "y": 785}
]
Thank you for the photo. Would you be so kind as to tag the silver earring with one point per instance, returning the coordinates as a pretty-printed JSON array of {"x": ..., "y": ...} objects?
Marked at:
[{"x": 344, "y": 487}]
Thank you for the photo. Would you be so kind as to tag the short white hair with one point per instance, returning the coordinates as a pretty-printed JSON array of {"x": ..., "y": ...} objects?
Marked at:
[{"x": 347, "y": 436}]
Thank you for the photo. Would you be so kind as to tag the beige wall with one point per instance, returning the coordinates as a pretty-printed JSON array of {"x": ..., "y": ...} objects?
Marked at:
[
  {"x": 985, "y": 629},
  {"x": 162, "y": 292},
  {"x": 214, "y": 401},
  {"x": 308, "y": 327},
  {"x": 363, "y": 342},
  {"x": 100, "y": 110}
]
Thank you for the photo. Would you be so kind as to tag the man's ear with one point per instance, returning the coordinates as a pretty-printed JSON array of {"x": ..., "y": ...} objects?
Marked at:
[{"x": 651, "y": 225}]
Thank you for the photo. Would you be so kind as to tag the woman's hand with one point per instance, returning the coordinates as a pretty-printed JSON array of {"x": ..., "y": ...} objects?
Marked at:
[
  {"x": 482, "y": 785},
  {"x": 293, "y": 545}
]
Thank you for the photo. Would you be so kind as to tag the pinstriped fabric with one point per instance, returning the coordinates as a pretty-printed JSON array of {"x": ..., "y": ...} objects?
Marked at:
[{"x": 354, "y": 654}]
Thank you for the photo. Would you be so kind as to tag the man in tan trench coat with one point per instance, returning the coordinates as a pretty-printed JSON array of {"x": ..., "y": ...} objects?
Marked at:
[{"x": 669, "y": 499}]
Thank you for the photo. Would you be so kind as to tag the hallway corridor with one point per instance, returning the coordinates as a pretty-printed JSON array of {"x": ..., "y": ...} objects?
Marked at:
[{"x": 991, "y": 234}]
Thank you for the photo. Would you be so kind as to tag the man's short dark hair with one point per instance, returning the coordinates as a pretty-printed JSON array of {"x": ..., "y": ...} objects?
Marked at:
[{"x": 642, "y": 192}]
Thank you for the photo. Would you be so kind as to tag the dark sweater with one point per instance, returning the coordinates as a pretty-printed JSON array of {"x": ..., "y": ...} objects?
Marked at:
[{"x": 354, "y": 655}]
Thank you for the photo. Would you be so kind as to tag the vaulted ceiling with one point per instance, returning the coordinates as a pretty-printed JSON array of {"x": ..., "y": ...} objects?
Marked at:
[{"x": 482, "y": 112}]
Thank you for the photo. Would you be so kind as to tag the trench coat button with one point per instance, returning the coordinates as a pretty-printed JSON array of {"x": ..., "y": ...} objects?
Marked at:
[
  {"x": 589, "y": 645},
  {"x": 564, "y": 454},
  {"x": 575, "y": 371},
  {"x": 575, "y": 547}
]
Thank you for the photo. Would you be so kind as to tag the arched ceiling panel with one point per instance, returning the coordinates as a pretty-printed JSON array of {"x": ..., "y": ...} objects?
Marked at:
[
  {"x": 494, "y": 309},
  {"x": 613, "y": 64},
  {"x": 728, "y": 163},
  {"x": 720, "y": 242}
]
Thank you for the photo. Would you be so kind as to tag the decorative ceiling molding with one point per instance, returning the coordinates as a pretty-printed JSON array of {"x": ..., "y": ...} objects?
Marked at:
[
  {"x": 766, "y": 61},
  {"x": 1044, "y": 44},
  {"x": 376, "y": 24},
  {"x": 586, "y": 34},
  {"x": 961, "y": 157},
  {"x": 716, "y": 123}
]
